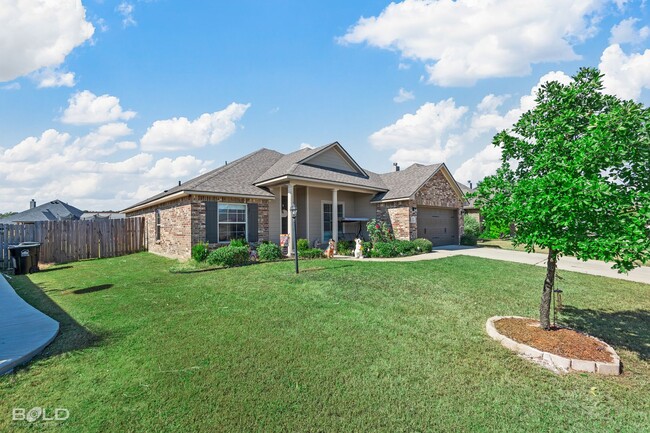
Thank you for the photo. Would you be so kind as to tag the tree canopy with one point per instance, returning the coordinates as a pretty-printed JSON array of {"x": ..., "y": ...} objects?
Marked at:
[{"x": 575, "y": 175}]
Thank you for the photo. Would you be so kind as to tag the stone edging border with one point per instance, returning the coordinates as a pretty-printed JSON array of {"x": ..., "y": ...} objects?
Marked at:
[{"x": 551, "y": 361}]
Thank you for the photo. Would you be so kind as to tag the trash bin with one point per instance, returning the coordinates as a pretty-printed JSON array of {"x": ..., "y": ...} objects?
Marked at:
[{"x": 24, "y": 257}]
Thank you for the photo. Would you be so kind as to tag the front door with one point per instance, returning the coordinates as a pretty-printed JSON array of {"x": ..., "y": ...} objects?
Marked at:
[{"x": 327, "y": 221}]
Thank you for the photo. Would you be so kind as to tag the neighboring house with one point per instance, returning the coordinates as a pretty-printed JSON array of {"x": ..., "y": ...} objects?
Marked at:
[
  {"x": 470, "y": 205},
  {"x": 110, "y": 215},
  {"x": 54, "y": 210},
  {"x": 250, "y": 198}
]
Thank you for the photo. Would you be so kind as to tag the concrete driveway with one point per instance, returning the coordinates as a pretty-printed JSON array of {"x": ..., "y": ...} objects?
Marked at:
[{"x": 592, "y": 267}]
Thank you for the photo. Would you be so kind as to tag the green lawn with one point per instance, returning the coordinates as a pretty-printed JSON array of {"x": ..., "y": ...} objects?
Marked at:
[{"x": 344, "y": 346}]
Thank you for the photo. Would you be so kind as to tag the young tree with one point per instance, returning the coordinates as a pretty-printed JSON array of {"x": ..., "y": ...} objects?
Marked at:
[{"x": 575, "y": 178}]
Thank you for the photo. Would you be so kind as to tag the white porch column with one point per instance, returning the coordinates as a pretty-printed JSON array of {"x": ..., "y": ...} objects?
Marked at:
[
  {"x": 335, "y": 215},
  {"x": 290, "y": 219}
]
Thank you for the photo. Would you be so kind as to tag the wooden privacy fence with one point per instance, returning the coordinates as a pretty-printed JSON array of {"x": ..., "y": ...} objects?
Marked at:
[{"x": 67, "y": 241}]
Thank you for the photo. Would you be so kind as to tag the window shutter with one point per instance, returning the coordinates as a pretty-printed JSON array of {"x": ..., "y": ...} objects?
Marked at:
[
  {"x": 211, "y": 222},
  {"x": 252, "y": 222}
]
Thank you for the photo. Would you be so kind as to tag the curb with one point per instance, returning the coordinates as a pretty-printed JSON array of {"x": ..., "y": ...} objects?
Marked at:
[{"x": 551, "y": 361}]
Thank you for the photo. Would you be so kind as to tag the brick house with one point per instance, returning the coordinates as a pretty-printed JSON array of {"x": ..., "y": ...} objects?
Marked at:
[{"x": 250, "y": 197}]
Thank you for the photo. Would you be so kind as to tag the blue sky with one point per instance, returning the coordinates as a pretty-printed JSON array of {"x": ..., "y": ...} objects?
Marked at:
[{"x": 103, "y": 103}]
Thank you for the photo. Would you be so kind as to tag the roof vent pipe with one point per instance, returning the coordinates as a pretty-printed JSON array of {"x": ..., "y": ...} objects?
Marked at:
[
  {"x": 470, "y": 184},
  {"x": 396, "y": 166},
  {"x": 179, "y": 183},
  {"x": 32, "y": 204}
]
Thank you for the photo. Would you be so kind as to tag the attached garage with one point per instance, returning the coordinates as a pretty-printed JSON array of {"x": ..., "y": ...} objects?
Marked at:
[{"x": 439, "y": 225}]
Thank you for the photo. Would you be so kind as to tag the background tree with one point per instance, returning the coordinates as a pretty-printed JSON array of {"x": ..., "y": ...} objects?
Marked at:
[{"x": 575, "y": 178}]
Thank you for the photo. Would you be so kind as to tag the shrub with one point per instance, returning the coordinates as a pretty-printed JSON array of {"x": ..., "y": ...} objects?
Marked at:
[
  {"x": 423, "y": 245},
  {"x": 472, "y": 226},
  {"x": 379, "y": 231},
  {"x": 344, "y": 245},
  {"x": 384, "y": 249},
  {"x": 229, "y": 256},
  {"x": 302, "y": 244},
  {"x": 238, "y": 243},
  {"x": 367, "y": 247},
  {"x": 405, "y": 248},
  {"x": 345, "y": 251},
  {"x": 200, "y": 252},
  {"x": 469, "y": 240},
  {"x": 269, "y": 252},
  {"x": 310, "y": 253}
]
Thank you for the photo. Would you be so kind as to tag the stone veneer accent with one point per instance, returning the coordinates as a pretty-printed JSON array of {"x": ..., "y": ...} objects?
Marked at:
[
  {"x": 551, "y": 361},
  {"x": 182, "y": 223},
  {"x": 402, "y": 215}
]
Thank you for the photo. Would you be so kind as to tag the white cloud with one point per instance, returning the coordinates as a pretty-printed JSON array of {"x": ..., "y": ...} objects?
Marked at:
[
  {"x": 484, "y": 163},
  {"x": 87, "y": 108},
  {"x": 31, "y": 148},
  {"x": 403, "y": 96},
  {"x": 428, "y": 124},
  {"x": 626, "y": 32},
  {"x": 126, "y": 10},
  {"x": 306, "y": 146},
  {"x": 403, "y": 66},
  {"x": 179, "y": 133},
  {"x": 11, "y": 86},
  {"x": 487, "y": 120},
  {"x": 625, "y": 75},
  {"x": 56, "y": 165},
  {"x": 182, "y": 167},
  {"x": 48, "y": 77},
  {"x": 35, "y": 34},
  {"x": 467, "y": 40}
]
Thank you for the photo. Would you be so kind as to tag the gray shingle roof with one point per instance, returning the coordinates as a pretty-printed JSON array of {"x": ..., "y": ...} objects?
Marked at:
[
  {"x": 240, "y": 177},
  {"x": 289, "y": 165},
  {"x": 405, "y": 183},
  {"x": 466, "y": 190},
  {"x": 233, "y": 178},
  {"x": 54, "y": 210}
]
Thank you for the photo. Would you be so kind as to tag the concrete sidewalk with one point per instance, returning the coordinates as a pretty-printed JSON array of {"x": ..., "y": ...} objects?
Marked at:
[
  {"x": 24, "y": 331},
  {"x": 591, "y": 267}
]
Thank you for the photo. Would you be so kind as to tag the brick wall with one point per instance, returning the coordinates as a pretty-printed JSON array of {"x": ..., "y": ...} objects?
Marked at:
[
  {"x": 397, "y": 215},
  {"x": 402, "y": 215},
  {"x": 175, "y": 228},
  {"x": 182, "y": 223}
]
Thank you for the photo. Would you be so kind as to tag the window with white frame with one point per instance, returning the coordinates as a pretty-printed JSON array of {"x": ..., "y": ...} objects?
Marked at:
[{"x": 232, "y": 221}]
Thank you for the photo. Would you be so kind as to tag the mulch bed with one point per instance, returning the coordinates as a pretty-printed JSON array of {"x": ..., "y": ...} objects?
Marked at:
[{"x": 559, "y": 341}]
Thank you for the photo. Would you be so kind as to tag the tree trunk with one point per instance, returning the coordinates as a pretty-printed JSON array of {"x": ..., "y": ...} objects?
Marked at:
[{"x": 545, "y": 305}]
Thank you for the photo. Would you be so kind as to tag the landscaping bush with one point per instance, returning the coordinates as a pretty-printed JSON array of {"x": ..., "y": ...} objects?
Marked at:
[
  {"x": 229, "y": 256},
  {"x": 310, "y": 253},
  {"x": 384, "y": 249},
  {"x": 302, "y": 244},
  {"x": 379, "y": 231},
  {"x": 200, "y": 252},
  {"x": 494, "y": 231},
  {"x": 469, "y": 240},
  {"x": 238, "y": 243},
  {"x": 472, "y": 226},
  {"x": 423, "y": 245},
  {"x": 405, "y": 248},
  {"x": 367, "y": 247},
  {"x": 269, "y": 251}
]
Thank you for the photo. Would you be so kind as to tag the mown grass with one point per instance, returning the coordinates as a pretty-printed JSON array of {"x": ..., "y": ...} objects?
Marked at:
[{"x": 344, "y": 346}]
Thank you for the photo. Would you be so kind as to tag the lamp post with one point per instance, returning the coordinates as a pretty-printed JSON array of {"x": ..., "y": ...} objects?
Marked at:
[{"x": 294, "y": 241}]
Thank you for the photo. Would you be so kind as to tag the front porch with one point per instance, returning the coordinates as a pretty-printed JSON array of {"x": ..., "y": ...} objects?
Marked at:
[{"x": 316, "y": 220}]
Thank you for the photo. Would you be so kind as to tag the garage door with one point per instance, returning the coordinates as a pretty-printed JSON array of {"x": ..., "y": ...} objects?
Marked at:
[{"x": 438, "y": 225}]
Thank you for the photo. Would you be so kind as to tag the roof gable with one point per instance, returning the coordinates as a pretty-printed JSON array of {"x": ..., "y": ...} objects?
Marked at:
[
  {"x": 334, "y": 157},
  {"x": 405, "y": 183}
]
